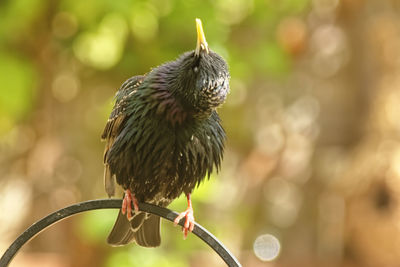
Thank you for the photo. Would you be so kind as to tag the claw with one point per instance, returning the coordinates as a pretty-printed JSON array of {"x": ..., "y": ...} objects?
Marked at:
[
  {"x": 126, "y": 204},
  {"x": 189, "y": 218}
]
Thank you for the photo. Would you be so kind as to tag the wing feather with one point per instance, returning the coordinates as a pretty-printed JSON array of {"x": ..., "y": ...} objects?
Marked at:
[{"x": 115, "y": 124}]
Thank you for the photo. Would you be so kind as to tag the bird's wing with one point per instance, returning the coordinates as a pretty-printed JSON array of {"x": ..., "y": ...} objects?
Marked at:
[
  {"x": 115, "y": 123},
  {"x": 128, "y": 88}
]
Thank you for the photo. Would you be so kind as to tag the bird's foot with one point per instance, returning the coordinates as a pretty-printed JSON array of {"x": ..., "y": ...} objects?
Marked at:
[
  {"x": 126, "y": 208},
  {"x": 189, "y": 219}
]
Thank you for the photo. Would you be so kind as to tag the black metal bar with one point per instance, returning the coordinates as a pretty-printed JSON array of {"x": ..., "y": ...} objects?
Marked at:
[{"x": 54, "y": 217}]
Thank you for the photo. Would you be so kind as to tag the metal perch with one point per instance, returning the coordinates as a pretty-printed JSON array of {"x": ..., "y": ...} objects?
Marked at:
[{"x": 54, "y": 217}]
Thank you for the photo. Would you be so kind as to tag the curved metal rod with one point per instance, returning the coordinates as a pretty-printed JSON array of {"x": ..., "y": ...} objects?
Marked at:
[{"x": 54, "y": 217}]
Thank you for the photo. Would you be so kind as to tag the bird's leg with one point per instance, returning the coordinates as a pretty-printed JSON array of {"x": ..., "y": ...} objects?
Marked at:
[
  {"x": 126, "y": 204},
  {"x": 189, "y": 218}
]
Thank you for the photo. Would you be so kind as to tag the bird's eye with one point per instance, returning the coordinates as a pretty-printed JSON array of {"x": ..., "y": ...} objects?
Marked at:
[{"x": 196, "y": 69}]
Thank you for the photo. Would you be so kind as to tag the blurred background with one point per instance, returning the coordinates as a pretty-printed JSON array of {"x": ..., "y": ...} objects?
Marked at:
[{"x": 311, "y": 173}]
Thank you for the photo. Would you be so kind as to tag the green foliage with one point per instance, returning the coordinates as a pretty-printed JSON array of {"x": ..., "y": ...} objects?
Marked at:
[
  {"x": 18, "y": 88},
  {"x": 103, "y": 47},
  {"x": 159, "y": 30},
  {"x": 94, "y": 226},
  {"x": 144, "y": 257},
  {"x": 16, "y": 17},
  {"x": 272, "y": 59}
]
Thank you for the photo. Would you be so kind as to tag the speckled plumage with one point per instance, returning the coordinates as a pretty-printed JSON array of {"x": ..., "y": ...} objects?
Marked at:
[{"x": 164, "y": 137}]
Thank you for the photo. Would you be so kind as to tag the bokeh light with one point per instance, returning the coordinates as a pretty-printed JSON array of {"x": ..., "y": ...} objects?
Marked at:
[
  {"x": 144, "y": 23},
  {"x": 102, "y": 48},
  {"x": 65, "y": 87},
  {"x": 64, "y": 25},
  {"x": 267, "y": 247}
]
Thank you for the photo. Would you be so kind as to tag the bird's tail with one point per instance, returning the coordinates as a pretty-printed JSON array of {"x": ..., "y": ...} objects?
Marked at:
[{"x": 144, "y": 229}]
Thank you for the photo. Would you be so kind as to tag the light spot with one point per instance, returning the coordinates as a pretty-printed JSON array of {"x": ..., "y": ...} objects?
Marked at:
[
  {"x": 64, "y": 25},
  {"x": 65, "y": 87},
  {"x": 266, "y": 247},
  {"x": 233, "y": 11},
  {"x": 325, "y": 7},
  {"x": 144, "y": 22},
  {"x": 285, "y": 200},
  {"x": 270, "y": 139},
  {"x": 103, "y": 48},
  {"x": 330, "y": 50}
]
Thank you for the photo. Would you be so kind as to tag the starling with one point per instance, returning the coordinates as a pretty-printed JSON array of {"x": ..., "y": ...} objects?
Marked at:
[{"x": 163, "y": 138}]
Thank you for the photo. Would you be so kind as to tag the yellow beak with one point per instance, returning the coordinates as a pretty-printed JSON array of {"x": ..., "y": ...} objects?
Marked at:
[{"x": 201, "y": 38}]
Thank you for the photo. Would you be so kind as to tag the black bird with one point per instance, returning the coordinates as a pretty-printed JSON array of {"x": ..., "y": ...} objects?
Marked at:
[{"x": 163, "y": 138}]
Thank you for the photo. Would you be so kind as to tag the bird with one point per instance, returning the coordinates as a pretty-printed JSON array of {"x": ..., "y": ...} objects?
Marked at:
[{"x": 163, "y": 138}]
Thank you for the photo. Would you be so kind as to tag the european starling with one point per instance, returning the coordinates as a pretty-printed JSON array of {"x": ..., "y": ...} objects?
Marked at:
[{"x": 163, "y": 138}]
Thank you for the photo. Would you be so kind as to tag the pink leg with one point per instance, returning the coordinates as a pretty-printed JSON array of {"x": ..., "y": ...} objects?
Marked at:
[
  {"x": 189, "y": 218},
  {"x": 126, "y": 204}
]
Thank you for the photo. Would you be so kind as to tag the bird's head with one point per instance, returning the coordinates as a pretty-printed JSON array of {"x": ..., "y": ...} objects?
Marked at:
[{"x": 202, "y": 81}]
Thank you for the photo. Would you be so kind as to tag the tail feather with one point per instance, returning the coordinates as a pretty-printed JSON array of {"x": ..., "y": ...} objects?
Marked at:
[
  {"x": 137, "y": 221},
  {"x": 148, "y": 235},
  {"x": 121, "y": 234},
  {"x": 144, "y": 229}
]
